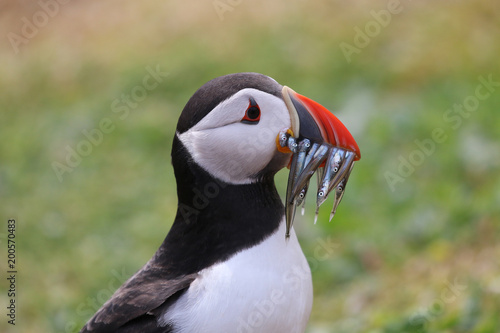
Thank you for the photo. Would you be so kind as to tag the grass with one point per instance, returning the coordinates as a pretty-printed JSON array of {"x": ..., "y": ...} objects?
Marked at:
[{"x": 398, "y": 250}]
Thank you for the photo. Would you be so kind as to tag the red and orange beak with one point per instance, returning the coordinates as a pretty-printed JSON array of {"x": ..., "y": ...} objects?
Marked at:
[{"x": 313, "y": 121}]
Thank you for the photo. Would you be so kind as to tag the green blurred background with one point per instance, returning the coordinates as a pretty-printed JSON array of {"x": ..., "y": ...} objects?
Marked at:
[{"x": 416, "y": 237}]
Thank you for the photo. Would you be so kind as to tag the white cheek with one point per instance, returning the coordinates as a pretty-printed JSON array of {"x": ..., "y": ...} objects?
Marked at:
[{"x": 231, "y": 153}]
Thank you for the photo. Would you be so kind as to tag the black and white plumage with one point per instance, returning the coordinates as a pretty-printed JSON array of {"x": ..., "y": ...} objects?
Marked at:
[{"x": 225, "y": 265}]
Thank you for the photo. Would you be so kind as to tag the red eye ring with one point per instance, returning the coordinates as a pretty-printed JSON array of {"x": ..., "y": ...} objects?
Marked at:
[{"x": 252, "y": 113}]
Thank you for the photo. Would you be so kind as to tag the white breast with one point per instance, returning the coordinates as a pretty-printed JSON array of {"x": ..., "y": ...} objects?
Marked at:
[{"x": 264, "y": 289}]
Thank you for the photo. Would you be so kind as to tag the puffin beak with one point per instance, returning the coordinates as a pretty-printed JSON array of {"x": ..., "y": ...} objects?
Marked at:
[
  {"x": 313, "y": 121},
  {"x": 318, "y": 142}
]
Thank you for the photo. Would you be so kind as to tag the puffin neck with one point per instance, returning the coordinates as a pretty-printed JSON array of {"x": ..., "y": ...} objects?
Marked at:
[{"x": 215, "y": 219}]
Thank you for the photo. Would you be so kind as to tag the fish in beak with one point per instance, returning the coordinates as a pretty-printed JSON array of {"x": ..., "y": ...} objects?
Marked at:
[{"x": 319, "y": 143}]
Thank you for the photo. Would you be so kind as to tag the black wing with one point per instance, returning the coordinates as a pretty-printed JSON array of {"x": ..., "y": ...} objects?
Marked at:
[{"x": 134, "y": 307}]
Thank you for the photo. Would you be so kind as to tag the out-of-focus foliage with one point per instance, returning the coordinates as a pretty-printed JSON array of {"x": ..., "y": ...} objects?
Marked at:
[{"x": 416, "y": 236}]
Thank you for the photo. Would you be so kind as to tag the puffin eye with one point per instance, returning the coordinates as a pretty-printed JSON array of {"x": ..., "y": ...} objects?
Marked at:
[{"x": 252, "y": 114}]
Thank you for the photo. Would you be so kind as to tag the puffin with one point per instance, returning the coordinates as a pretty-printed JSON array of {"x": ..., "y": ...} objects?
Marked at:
[{"x": 231, "y": 261}]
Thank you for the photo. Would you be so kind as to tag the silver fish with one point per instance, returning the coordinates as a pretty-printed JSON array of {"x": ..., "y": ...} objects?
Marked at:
[
  {"x": 309, "y": 169},
  {"x": 344, "y": 169},
  {"x": 292, "y": 144},
  {"x": 339, "y": 192},
  {"x": 296, "y": 166},
  {"x": 331, "y": 168},
  {"x": 302, "y": 195},
  {"x": 283, "y": 137},
  {"x": 297, "y": 179},
  {"x": 306, "y": 160}
]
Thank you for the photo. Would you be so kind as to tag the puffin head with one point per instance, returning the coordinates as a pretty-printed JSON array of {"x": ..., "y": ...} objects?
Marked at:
[
  {"x": 231, "y": 124},
  {"x": 242, "y": 128}
]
